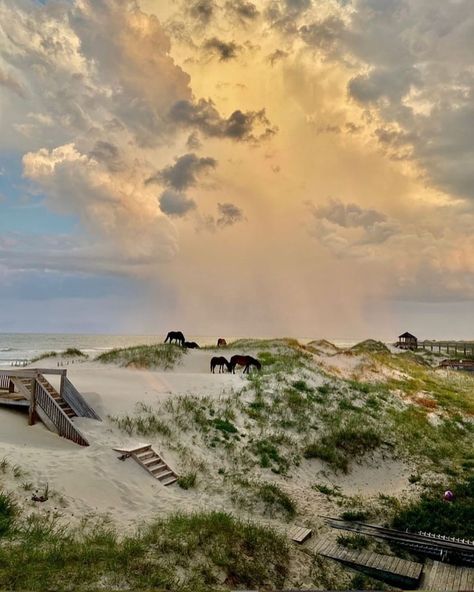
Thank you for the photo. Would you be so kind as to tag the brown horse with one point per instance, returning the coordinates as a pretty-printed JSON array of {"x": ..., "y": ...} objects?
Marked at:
[
  {"x": 221, "y": 342},
  {"x": 245, "y": 361},
  {"x": 175, "y": 336},
  {"x": 220, "y": 362}
]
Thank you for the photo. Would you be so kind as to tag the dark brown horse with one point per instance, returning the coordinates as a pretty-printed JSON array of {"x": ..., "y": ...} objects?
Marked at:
[
  {"x": 175, "y": 336},
  {"x": 191, "y": 345},
  {"x": 221, "y": 342},
  {"x": 219, "y": 362},
  {"x": 245, "y": 361}
]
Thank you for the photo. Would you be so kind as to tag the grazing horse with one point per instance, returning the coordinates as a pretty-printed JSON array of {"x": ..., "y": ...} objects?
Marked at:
[
  {"x": 221, "y": 342},
  {"x": 191, "y": 345},
  {"x": 220, "y": 362},
  {"x": 245, "y": 361},
  {"x": 175, "y": 336}
]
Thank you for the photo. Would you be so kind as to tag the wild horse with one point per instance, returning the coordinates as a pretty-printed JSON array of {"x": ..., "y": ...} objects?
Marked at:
[
  {"x": 219, "y": 362},
  {"x": 175, "y": 336},
  {"x": 191, "y": 345},
  {"x": 245, "y": 361}
]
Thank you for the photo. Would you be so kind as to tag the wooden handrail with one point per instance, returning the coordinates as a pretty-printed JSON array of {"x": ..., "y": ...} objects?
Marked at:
[{"x": 57, "y": 416}]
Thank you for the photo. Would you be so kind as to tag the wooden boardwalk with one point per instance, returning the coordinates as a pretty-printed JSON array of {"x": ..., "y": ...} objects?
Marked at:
[
  {"x": 443, "y": 577},
  {"x": 381, "y": 566}
]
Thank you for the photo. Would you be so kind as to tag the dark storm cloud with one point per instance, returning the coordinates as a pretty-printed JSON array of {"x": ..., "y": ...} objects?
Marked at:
[
  {"x": 184, "y": 172},
  {"x": 224, "y": 50},
  {"x": 203, "y": 10},
  {"x": 108, "y": 154},
  {"x": 276, "y": 56},
  {"x": 174, "y": 203},
  {"x": 202, "y": 115},
  {"x": 228, "y": 214},
  {"x": 246, "y": 11}
]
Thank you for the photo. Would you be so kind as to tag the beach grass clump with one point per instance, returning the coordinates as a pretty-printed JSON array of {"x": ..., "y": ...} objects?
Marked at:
[
  {"x": 202, "y": 552},
  {"x": 146, "y": 422},
  {"x": 340, "y": 445},
  {"x": 70, "y": 352},
  {"x": 431, "y": 513},
  {"x": 162, "y": 356},
  {"x": 269, "y": 453},
  {"x": 8, "y": 511},
  {"x": 369, "y": 346},
  {"x": 188, "y": 480},
  {"x": 354, "y": 541},
  {"x": 275, "y": 498}
]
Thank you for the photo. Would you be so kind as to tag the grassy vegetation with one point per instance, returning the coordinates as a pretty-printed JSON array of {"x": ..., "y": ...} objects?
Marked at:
[
  {"x": 199, "y": 552},
  {"x": 431, "y": 513},
  {"x": 338, "y": 446},
  {"x": 146, "y": 422},
  {"x": 161, "y": 356},
  {"x": 354, "y": 541},
  {"x": 71, "y": 352},
  {"x": 8, "y": 511},
  {"x": 188, "y": 480}
]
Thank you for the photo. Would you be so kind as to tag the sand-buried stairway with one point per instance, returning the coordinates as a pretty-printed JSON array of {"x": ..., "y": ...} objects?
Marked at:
[
  {"x": 152, "y": 462},
  {"x": 56, "y": 409}
]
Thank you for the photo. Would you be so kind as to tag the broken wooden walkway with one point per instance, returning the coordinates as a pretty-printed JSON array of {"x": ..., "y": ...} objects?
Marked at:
[
  {"x": 386, "y": 567},
  {"x": 444, "y": 577},
  {"x": 152, "y": 462}
]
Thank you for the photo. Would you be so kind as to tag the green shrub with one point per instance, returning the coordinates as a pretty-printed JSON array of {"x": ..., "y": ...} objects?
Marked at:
[
  {"x": 161, "y": 356},
  {"x": 187, "y": 481},
  {"x": 432, "y": 514},
  {"x": 224, "y": 426},
  {"x": 354, "y": 515}
]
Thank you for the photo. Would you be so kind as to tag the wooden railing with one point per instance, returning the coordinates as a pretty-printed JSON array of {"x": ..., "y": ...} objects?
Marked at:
[
  {"x": 4, "y": 381},
  {"x": 57, "y": 416},
  {"x": 75, "y": 400}
]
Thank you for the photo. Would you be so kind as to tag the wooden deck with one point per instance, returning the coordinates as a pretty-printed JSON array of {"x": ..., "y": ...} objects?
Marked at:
[
  {"x": 444, "y": 577},
  {"x": 384, "y": 567}
]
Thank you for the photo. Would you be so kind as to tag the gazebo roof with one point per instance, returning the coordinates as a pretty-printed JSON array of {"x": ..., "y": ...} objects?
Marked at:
[{"x": 407, "y": 335}]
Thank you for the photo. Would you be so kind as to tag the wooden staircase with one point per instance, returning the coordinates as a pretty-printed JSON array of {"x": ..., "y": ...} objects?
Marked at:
[
  {"x": 152, "y": 462},
  {"x": 53, "y": 393}
]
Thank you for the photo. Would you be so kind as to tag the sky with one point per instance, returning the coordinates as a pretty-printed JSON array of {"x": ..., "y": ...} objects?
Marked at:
[{"x": 237, "y": 167}]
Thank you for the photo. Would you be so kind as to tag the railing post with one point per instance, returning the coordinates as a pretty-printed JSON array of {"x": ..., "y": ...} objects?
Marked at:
[
  {"x": 61, "y": 387},
  {"x": 32, "y": 408}
]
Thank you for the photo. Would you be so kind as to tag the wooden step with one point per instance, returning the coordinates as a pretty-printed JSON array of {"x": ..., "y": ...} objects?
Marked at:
[
  {"x": 146, "y": 455},
  {"x": 169, "y": 482},
  {"x": 159, "y": 469},
  {"x": 138, "y": 451},
  {"x": 165, "y": 475},
  {"x": 153, "y": 462}
]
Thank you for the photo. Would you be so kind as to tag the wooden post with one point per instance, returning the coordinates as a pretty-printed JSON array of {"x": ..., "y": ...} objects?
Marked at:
[
  {"x": 464, "y": 350},
  {"x": 61, "y": 388},
  {"x": 32, "y": 409}
]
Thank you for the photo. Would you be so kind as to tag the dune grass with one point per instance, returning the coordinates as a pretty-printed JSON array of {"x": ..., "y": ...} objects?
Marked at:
[
  {"x": 162, "y": 356},
  {"x": 199, "y": 552},
  {"x": 71, "y": 352},
  {"x": 431, "y": 513}
]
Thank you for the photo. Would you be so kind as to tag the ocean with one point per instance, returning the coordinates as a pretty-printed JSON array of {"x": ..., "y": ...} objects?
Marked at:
[{"x": 25, "y": 346}]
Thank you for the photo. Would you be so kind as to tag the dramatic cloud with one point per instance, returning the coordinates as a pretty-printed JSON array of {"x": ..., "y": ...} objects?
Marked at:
[
  {"x": 244, "y": 10},
  {"x": 113, "y": 206},
  {"x": 176, "y": 204},
  {"x": 224, "y": 50},
  {"x": 276, "y": 56},
  {"x": 228, "y": 214},
  {"x": 203, "y": 10},
  {"x": 348, "y": 228},
  {"x": 184, "y": 172},
  {"x": 250, "y": 126}
]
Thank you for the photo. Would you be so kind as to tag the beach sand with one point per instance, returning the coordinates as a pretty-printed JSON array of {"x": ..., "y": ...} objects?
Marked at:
[{"x": 86, "y": 481}]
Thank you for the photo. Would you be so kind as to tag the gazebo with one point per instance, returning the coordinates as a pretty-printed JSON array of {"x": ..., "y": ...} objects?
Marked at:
[{"x": 407, "y": 341}]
